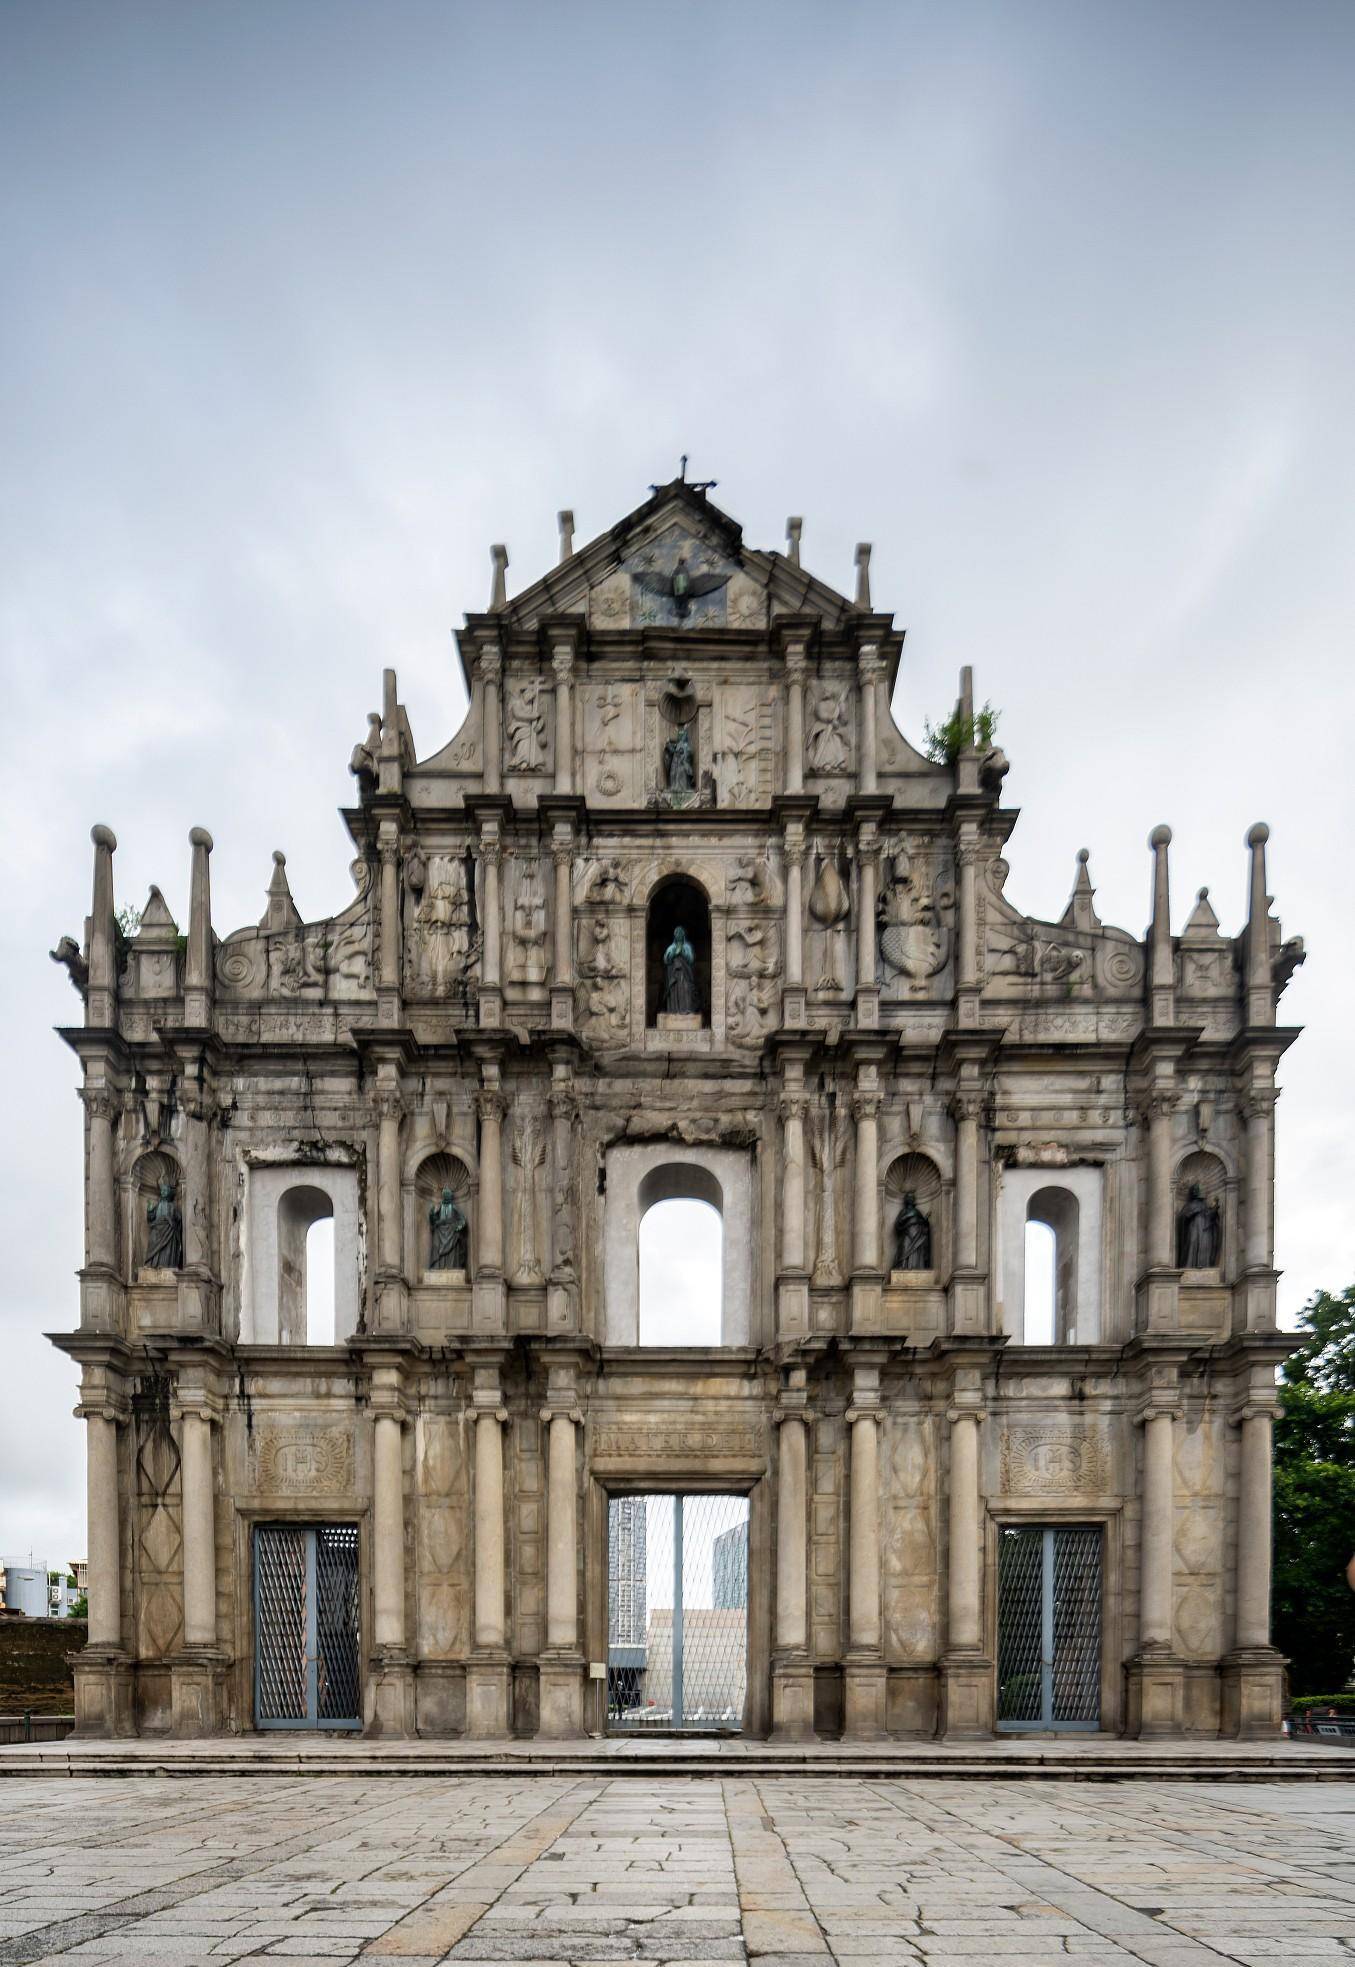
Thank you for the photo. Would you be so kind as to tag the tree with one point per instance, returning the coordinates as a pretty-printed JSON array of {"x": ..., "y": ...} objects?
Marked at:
[{"x": 1314, "y": 1607}]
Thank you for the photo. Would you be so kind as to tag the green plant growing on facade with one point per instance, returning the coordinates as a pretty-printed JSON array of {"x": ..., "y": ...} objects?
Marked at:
[
  {"x": 129, "y": 920},
  {"x": 943, "y": 743}
]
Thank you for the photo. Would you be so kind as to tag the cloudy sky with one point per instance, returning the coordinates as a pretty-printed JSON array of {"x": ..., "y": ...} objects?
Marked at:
[{"x": 306, "y": 304}]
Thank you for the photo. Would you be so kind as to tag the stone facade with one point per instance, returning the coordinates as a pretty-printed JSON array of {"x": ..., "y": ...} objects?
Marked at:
[{"x": 482, "y": 1030}]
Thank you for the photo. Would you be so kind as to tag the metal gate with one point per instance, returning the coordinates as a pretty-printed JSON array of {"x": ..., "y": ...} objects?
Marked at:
[
  {"x": 306, "y": 1626},
  {"x": 677, "y": 1612},
  {"x": 1049, "y": 1627}
]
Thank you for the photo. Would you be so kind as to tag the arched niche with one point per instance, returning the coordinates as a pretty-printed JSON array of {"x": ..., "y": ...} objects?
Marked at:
[
  {"x": 678, "y": 900},
  {"x": 148, "y": 1172},
  {"x": 435, "y": 1173},
  {"x": 681, "y": 1207},
  {"x": 1068, "y": 1201},
  {"x": 281, "y": 1203},
  {"x": 637, "y": 1177},
  {"x": 1204, "y": 1171},
  {"x": 916, "y": 1175}
]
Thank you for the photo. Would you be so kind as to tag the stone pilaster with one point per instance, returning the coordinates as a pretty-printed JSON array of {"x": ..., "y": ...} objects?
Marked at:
[
  {"x": 793, "y": 994},
  {"x": 388, "y": 993},
  {"x": 793, "y": 1282},
  {"x": 490, "y": 1307},
  {"x": 491, "y": 927},
  {"x": 796, "y": 667}
]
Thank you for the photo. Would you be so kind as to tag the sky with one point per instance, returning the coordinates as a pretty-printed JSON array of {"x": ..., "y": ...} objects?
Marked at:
[{"x": 304, "y": 305}]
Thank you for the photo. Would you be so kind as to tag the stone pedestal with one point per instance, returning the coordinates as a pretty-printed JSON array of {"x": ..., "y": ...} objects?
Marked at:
[
  {"x": 792, "y": 1701},
  {"x": 561, "y": 1683},
  {"x": 1252, "y": 1706},
  {"x": 678, "y": 1021},
  {"x": 488, "y": 1692},
  {"x": 1155, "y": 1686},
  {"x": 390, "y": 1693},
  {"x": 863, "y": 1700},
  {"x": 966, "y": 1697},
  {"x": 197, "y": 1691},
  {"x": 103, "y": 1694}
]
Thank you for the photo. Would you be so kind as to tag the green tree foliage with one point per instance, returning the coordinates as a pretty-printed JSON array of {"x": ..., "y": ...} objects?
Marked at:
[
  {"x": 1314, "y": 1607},
  {"x": 943, "y": 743}
]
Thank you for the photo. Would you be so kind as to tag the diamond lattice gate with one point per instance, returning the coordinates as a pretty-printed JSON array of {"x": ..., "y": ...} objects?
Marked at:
[
  {"x": 1049, "y": 1627},
  {"x": 677, "y": 1612},
  {"x": 306, "y": 1626}
]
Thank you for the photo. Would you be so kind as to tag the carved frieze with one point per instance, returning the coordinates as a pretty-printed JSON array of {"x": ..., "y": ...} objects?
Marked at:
[
  {"x": 1054, "y": 1459},
  {"x": 644, "y": 1442},
  {"x": 303, "y": 1461}
]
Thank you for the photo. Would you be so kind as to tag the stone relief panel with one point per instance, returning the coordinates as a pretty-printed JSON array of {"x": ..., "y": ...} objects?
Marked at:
[
  {"x": 1055, "y": 1459},
  {"x": 828, "y": 956},
  {"x": 159, "y": 1539},
  {"x": 828, "y": 723},
  {"x": 830, "y": 1133},
  {"x": 326, "y": 961},
  {"x": 678, "y": 580},
  {"x": 744, "y": 745},
  {"x": 442, "y": 942},
  {"x": 916, "y": 918},
  {"x": 302, "y": 1461},
  {"x": 526, "y": 967},
  {"x": 1198, "y": 1540},
  {"x": 528, "y": 1213},
  {"x": 528, "y": 704},
  {"x": 753, "y": 969},
  {"x": 611, "y": 744},
  {"x": 908, "y": 1552},
  {"x": 529, "y": 1535},
  {"x": 602, "y": 959},
  {"x": 443, "y": 1555},
  {"x": 826, "y": 1539}
]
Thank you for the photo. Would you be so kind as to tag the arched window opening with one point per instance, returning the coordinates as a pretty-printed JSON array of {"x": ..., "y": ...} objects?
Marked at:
[
  {"x": 1040, "y": 1250},
  {"x": 681, "y": 1258},
  {"x": 678, "y": 903},
  {"x": 320, "y": 1320},
  {"x": 298, "y": 1210},
  {"x": 1054, "y": 1210}
]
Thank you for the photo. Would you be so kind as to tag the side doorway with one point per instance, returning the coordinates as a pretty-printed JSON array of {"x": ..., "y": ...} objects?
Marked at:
[
  {"x": 1049, "y": 1627},
  {"x": 306, "y": 1597},
  {"x": 677, "y": 1613}
]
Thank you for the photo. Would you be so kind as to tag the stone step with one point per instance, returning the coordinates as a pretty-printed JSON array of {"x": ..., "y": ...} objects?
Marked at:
[{"x": 1099, "y": 1761}]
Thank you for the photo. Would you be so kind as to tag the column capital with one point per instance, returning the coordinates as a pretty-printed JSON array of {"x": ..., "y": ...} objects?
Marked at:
[
  {"x": 195, "y": 1404},
  {"x": 96, "y": 1406},
  {"x": 866, "y": 1105},
  {"x": 490, "y": 1103},
  {"x": 1257, "y": 1103},
  {"x": 793, "y": 1105},
  {"x": 860, "y": 1410},
  {"x": 796, "y": 663},
  {"x": 966, "y": 1407},
  {"x": 559, "y": 1413},
  {"x": 869, "y": 661},
  {"x": 562, "y": 660},
  {"x": 1256, "y": 1410},
  {"x": 491, "y": 660}
]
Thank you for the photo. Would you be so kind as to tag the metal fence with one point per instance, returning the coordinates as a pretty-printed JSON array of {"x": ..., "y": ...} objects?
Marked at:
[
  {"x": 306, "y": 1626},
  {"x": 1049, "y": 1627}
]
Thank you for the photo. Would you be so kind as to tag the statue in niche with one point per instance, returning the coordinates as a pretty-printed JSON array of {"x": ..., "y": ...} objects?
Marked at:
[
  {"x": 828, "y": 748},
  {"x": 679, "y": 977},
  {"x": 679, "y": 763},
  {"x": 913, "y": 1237},
  {"x": 526, "y": 727},
  {"x": 164, "y": 1237},
  {"x": 448, "y": 1234},
  {"x": 1199, "y": 1232}
]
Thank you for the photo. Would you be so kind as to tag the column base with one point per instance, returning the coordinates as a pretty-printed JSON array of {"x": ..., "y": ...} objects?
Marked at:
[
  {"x": 488, "y": 1697},
  {"x": 1156, "y": 1696},
  {"x": 792, "y": 1307},
  {"x": 1252, "y": 1708},
  {"x": 863, "y": 1700},
  {"x": 867, "y": 1304},
  {"x": 792, "y": 1701},
  {"x": 197, "y": 1689},
  {"x": 966, "y": 1697},
  {"x": 390, "y": 1694},
  {"x": 103, "y": 1694},
  {"x": 561, "y": 1693},
  {"x": 1158, "y": 1301},
  {"x": 562, "y": 1007},
  {"x": 1254, "y": 1300},
  {"x": 489, "y": 1304},
  {"x": 968, "y": 1294}
]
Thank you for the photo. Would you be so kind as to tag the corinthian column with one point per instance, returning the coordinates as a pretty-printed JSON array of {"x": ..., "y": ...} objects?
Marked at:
[
  {"x": 562, "y": 662},
  {"x": 868, "y": 670},
  {"x": 100, "y": 1199},
  {"x": 388, "y": 993},
  {"x": 491, "y": 1107},
  {"x": 793, "y": 1106},
  {"x": 1258, "y": 1110},
  {"x": 795, "y": 721},
  {"x": 866, "y": 1209},
  {"x": 794, "y": 1008}
]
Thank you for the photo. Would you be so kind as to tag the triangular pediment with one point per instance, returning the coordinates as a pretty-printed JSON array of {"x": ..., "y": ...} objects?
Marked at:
[{"x": 677, "y": 561}]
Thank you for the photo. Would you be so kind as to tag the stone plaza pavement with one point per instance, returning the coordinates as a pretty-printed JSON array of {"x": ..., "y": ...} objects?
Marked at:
[{"x": 782, "y": 1872}]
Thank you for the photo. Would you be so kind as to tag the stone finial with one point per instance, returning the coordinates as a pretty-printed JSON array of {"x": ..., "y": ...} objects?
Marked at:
[
  {"x": 1202, "y": 925},
  {"x": 103, "y": 934},
  {"x": 794, "y": 528},
  {"x": 1260, "y": 983},
  {"x": 1080, "y": 912},
  {"x": 197, "y": 1004},
  {"x": 965, "y": 704},
  {"x": 1161, "y": 968},
  {"x": 565, "y": 521},
  {"x": 282, "y": 913},
  {"x": 863, "y": 576},
  {"x": 498, "y": 592}
]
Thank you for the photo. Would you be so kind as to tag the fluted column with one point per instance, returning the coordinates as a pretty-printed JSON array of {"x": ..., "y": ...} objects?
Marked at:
[
  {"x": 1259, "y": 1113},
  {"x": 388, "y": 1526},
  {"x": 491, "y": 671},
  {"x": 1254, "y": 1531},
  {"x": 868, "y": 859},
  {"x": 388, "y": 849},
  {"x": 562, "y": 662},
  {"x": 391, "y": 1110},
  {"x": 962, "y": 1592},
  {"x": 490, "y": 1249},
  {"x": 868, "y": 670},
  {"x": 795, "y": 722},
  {"x": 793, "y": 1106},
  {"x": 100, "y": 1196},
  {"x": 866, "y": 1197},
  {"x": 795, "y": 914},
  {"x": 1161, "y": 1217},
  {"x": 199, "y": 1526},
  {"x": 102, "y": 1534},
  {"x": 562, "y": 857},
  {"x": 1155, "y": 1584},
  {"x": 490, "y": 1625},
  {"x": 491, "y": 858},
  {"x": 562, "y": 1533}
]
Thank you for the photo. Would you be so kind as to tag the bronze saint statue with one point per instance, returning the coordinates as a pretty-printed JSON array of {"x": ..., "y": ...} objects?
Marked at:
[
  {"x": 678, "y": 763},
  {"x": 447, "y": 1242},
  {"x": 913, "y": 1249},
  {"x": 1199, "y": 1232},
  {"x": 164, "y": 1239},
  {"x": 679, "y": 976}
]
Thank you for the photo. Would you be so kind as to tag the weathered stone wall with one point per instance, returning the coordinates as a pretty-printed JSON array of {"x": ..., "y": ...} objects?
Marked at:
[{"x": 35, "y": 1664}]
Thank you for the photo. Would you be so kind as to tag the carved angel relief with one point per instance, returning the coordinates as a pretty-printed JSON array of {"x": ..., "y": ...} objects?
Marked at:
[{"x": 604, "y": 988}]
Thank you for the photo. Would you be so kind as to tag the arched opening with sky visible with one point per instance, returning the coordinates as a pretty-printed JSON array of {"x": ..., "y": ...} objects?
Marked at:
[{"x": 681, "y": 1258}]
